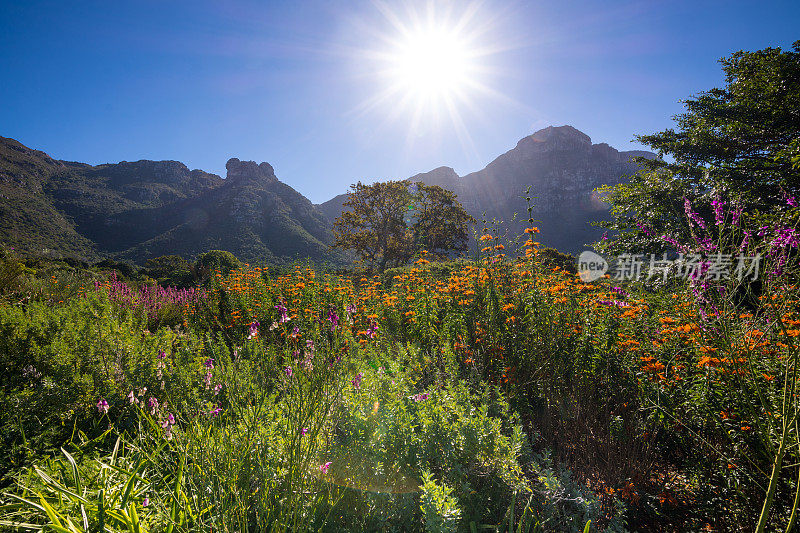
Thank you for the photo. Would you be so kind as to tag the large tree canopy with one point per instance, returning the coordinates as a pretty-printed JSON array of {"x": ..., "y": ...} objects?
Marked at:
[
  {"x": 738, "y": 143},
  {"x": 386, "y": 223}
]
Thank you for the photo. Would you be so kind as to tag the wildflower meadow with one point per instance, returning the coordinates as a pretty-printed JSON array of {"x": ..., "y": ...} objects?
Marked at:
[{"x": 499, "y": 393}]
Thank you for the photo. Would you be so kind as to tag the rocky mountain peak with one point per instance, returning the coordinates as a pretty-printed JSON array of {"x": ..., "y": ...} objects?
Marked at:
[
  {"x": 167, "y": 172},
  {"x": 239, "y": 170},
  {"x": 554, "y": 138},
  {"x": 444, "y": 177}
]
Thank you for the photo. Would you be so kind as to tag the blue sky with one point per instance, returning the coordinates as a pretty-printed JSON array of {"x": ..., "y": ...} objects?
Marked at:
[{"x": 290, "y": 82}]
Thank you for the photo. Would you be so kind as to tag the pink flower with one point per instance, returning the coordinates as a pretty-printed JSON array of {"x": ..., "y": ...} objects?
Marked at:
[
  {"x": 152, "y": 403},
  {"x": 421, "y": 396},
  {"x": 372, "y": 331},
  {"x": 253, "y": 330},
  {"x": 288, "y": 371},
  {"x": 357, "y": 380},
  {"x": 131, "y": 397},
  {"x": 303, "y": 432},
  {"x": 146, "y": 502},
  {"x": 283, "y": 312},
  {"x": 324, "y": 468},
  {"x": 102, "y": 405}
]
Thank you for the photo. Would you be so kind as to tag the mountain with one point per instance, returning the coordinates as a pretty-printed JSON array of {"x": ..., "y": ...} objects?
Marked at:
[
  {"x": 562, "y": 168},
  {"x": 143, "y": 209}
]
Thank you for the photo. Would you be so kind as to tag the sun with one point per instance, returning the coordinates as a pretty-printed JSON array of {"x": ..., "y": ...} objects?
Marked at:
[
  {"x": 434, "y": 67},
  {"x": 431, "y": 65}
]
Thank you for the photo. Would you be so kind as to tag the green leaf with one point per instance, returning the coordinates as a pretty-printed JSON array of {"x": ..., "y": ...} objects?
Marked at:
[
  {"x": 51, "y": 513},
  {"x": 74, "y": 467}
]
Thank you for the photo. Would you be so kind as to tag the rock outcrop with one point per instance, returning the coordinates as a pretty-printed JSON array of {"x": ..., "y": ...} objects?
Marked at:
[{"x": 249, "y": 170}]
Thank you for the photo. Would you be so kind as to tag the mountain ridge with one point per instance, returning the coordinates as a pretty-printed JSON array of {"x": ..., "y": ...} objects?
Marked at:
[
  {"x": 142, "y": 209},
  {"x": 562, "y": 167},
  {"x": 137, "y": 210}
]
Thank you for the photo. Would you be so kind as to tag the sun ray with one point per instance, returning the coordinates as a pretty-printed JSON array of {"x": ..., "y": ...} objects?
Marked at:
[{"x": 435, "y": 67}]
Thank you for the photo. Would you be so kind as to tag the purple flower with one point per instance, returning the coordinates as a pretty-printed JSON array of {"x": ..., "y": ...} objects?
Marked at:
[
  {"x": 372, "y": 330},
  {"x": 283, "y": 312},
  {"x": 707, "y": 245},
  {"x": 209, "y": 363},
  {"x": 421, "y": 396},
  {"x": 687, "y": 207},
  {"x": 207, "y": 380},
  {"x": 102, "y": 405},
  {"x": 215, "y": 411},
  {"x": 217, "y": 388},
  {"x": 168, "y": 421},
  {"x": 288, "y": 371},
  {"x": 735, "y": 216},
  {"x": 644, "y": 229},
  {"x": 719, "y": 211},
  {"x": 351, "y": 310},
  {"x": 310, "y": 345},
  {"x": 307, "y": 362},
  {"x": 324, "y": 467},
  {"x": 131, "y": 397},
  {"x": 162, "y": 354},
  {"x": 152, "y": 403},
  {"x": 253, "y": 330},
  {"x": 303, "y": 432},
  {"x": 357, "y": 380},
  {"x": 612, "y": 303},
  {"x": 785, "y": 238},
  {"x": 670, "y": 240},
  {"x": 333, "y": 318},
  {"x": 145, "y": 502}
]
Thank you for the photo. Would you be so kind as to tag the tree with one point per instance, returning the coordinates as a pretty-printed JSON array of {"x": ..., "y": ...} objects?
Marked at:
[
  {"x": 221, "y": 260},
  {"x": 171, "y": 270},
  {"x": 375, "y": 222},
  {"x": 738, "y": 143},
  {"x": 441, "y": 224}
]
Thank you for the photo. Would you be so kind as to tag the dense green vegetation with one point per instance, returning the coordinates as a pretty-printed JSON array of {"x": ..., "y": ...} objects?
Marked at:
[
  {"x": 739, "y": 143},
  {"x": 493, "y": 393}
]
